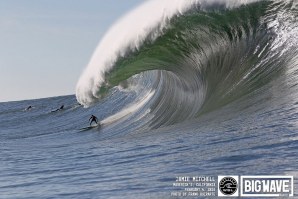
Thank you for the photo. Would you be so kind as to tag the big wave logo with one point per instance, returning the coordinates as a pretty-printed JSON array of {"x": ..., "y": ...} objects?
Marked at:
[{"x": 267, "y": 186}]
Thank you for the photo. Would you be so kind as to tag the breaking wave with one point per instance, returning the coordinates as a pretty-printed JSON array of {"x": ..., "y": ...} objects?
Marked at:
[{"x": 187, "y": 58}]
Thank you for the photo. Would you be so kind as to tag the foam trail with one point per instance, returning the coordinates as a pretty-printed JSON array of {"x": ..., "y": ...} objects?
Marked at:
[{"x": 129, "y": 33}]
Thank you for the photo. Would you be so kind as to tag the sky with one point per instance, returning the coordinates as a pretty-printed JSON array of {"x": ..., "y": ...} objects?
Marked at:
[{"x": 45, "y": 45}]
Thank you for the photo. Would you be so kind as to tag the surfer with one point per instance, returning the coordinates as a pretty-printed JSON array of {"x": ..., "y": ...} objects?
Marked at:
[
  {"x": 28, "y": 108},
  {"x": 59, "y": 109},
  {"x": 93, "y": 119}
]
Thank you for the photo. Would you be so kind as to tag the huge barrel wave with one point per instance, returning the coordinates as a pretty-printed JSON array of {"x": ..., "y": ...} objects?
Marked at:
[{"x": 196, "y": 56}]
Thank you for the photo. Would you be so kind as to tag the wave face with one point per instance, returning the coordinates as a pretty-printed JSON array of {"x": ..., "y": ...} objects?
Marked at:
[{"x": 196, "y": 56}]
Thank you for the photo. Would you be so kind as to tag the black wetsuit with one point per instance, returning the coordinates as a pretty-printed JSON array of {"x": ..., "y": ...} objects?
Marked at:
[{"x": 93, "y": 119}]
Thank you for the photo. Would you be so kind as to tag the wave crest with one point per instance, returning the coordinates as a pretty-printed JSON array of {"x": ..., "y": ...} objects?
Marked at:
[
  {"x": 143, "y": 24},
  {"x": 204, "y": 54}
]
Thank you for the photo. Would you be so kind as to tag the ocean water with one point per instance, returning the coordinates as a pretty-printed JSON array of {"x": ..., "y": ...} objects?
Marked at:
[{"x": 208, "y": 89}]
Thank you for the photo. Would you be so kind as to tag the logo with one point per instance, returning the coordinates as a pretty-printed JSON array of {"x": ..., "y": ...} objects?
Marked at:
[
  {"x": 270, "y": 186},
  {"x": 228, "y": 185}
]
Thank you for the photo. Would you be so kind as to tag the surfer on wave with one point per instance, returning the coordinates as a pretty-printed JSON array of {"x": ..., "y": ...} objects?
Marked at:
[{"x": 93, "y": 119}]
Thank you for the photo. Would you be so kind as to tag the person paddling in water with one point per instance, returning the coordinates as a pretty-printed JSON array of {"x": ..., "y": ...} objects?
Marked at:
[
  {"x": 93, "y": 119},
  {"x": 28, "y": 108},
  {"x": 59, "y": 109}
]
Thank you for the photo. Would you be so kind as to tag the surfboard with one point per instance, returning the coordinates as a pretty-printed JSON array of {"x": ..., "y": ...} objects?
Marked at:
[{"x": 89, "y": 127}]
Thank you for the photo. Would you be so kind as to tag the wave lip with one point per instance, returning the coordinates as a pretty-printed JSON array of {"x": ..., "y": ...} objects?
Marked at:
[{"x": 143, "y": 24}]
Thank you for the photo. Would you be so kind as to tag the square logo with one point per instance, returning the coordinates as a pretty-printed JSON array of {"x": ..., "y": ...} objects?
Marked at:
[{"x": 228, "y": 186}]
